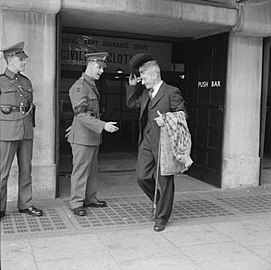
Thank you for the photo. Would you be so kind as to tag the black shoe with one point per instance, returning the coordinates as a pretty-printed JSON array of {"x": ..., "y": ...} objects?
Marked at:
[
  {"x": 159, "y": 227},
  {"x": 32, "y": 210},
  {"x": 79, "y": 211},
  {"x": 2, "y": 214},
  {"x": 97, "y": 204}
]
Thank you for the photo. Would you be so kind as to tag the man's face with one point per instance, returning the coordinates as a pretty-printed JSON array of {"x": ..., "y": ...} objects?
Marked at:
[
  {"x": 147, "y": 78},
  {"x": 95, "y": 70},
  {"x": 17, "y": 63}
]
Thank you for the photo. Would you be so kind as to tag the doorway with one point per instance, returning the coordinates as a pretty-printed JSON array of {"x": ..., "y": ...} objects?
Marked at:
[
  {"x": 266, "y": 161},
  {"x": 118, "y": 151},
  {"x": 201, "y": 79},
  {"x": 206, "y": 86},
  {"x": 265, "y": 149}
]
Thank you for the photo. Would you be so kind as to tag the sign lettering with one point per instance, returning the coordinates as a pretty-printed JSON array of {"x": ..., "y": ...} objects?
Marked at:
[
  {"x": 74, "y": 47},
  {"x": 205, "y": 84}
]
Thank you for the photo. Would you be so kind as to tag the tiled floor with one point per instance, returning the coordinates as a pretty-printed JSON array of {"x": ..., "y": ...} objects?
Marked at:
[
  {"x": 209, "y": 229},
  {"x": 125, "y": 211}
]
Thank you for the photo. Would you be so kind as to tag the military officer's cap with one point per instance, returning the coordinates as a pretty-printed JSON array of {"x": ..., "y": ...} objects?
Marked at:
[
  {"x": 99, "y": 58},
  {"x": 137, "y": 61},
  {"x": 15, "y": 50}
]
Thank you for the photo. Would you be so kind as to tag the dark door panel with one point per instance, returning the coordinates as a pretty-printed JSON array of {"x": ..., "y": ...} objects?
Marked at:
[{"x": 206, "y": 85}]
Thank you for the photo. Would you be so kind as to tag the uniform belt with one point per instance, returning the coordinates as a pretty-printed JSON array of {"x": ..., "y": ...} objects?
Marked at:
[{"x": 22, "y": 109}]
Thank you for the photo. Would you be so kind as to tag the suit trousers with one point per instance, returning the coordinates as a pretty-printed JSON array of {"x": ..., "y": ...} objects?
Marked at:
[
  {"x": 23, "y": 149},
  {"x": 84, "y": 175},
  {"x": 147, "y": 161}
]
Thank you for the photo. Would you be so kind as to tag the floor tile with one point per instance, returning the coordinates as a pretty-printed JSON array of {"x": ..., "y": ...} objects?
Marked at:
[
  {"x": 17, "y": 254},
  {"x": 46, "y": 249},
  {"x": 139, "y": 244},
  {"x": 194, "y": 235},
  {"x": 263, "y": 251},
  {"x": 160, "y": 263},
  {"x": 247, "y": 232},
  {"x": 104, "y": 262},
  {"x": 17, "y": 264},
  {"x": 225, "y": 256}
]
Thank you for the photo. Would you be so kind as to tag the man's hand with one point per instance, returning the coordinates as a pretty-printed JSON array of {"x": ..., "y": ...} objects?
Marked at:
[
  {"x": 159, "y": 120},
  {"x": 133, "y": 80},
  {"x": 110, "y": 127}
]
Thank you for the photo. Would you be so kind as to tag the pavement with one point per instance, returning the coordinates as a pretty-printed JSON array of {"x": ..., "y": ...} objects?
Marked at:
[{"x": 209, "y": 229}]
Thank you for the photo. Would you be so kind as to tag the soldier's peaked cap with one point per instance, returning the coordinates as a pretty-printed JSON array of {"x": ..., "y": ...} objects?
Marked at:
[
  {"x": 15, "y": 50},
  {"x": 99, "y": 58},
  {"x": 139, "y": 60}
]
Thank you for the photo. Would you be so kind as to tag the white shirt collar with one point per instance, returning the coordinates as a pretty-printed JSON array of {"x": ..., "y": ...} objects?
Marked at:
[{"x": 156, "y": 88}]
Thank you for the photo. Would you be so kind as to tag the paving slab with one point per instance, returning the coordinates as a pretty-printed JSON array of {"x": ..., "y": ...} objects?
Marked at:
[
  {"x": 17, "y": 255},
  {"x": 104, "y": 262},
  {"x": 225, "y": 256},
  {"x": 208, "y": 229}
]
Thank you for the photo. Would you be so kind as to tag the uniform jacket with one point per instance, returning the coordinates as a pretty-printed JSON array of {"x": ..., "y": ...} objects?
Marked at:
[
  {"x": 86, "y": 127},
  {"x": 15, "y": 91},
  {"x": 167, "y": 99}
]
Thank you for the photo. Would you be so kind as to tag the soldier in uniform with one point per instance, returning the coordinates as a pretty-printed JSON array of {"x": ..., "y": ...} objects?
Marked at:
[
  {"x": 16, "y": 128},
  {"x": 85, "y": 135}
]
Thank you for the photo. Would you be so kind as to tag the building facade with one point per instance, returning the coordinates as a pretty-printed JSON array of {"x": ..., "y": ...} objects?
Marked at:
[{"x": 228, "y": 50}]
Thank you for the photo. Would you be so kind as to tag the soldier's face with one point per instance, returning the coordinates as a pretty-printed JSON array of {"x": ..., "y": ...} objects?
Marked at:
[
  {"x": 18, "y": 64},
  {"x": 95, "y": 70}
]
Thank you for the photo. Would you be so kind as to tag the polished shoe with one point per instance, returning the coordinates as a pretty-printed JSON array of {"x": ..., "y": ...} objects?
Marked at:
[
  {"x": 2, "y": 214},
  {"x": 96, "y": 204},
  {"x": 79, "y": 211},
  {"x": 159, "y": 227},
  {"x": 32, "y": 210}
]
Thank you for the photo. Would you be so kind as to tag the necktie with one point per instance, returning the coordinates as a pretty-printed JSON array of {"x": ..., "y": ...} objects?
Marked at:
[{"x": 151, "y": 93}]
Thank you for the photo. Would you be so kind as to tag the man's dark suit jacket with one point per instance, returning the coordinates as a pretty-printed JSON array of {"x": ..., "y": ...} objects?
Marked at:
[{"x": 168, "y": 99}]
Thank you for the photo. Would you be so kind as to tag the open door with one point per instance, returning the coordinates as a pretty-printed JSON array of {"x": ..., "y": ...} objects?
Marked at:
[
  {"x": 206, "y": 84},
  {"x": 265, "y": 148}
]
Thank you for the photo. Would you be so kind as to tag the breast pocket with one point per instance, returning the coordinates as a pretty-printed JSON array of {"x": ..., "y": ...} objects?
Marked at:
[
  {"x": 8, "y": 97},
  {"x": 93, "y": 103}
]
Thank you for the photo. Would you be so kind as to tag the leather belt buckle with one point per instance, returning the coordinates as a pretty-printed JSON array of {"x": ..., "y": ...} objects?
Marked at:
[{"x": 22, "y": 109}]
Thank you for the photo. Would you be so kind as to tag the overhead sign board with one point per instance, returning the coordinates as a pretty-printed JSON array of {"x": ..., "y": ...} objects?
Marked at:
[{"x": 74, "y": 47}]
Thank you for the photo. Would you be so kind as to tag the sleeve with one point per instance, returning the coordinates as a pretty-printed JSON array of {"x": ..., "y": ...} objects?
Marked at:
[
  {"x": 177, "y": 102},
  {"x": 133, "y": 101},
  {"x": 79, "y": 101},
  {"x": 29, "y": 91}
]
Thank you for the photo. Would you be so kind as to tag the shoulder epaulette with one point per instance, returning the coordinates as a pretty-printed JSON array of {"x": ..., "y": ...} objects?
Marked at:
[{"x": 79, "y": 84}]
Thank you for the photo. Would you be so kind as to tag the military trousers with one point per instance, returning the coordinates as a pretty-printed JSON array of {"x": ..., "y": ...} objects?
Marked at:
[
  {"x": 146, "y": 171},
  {"x": 84, "y": 175},
  {"x": 23, "y": 150}
]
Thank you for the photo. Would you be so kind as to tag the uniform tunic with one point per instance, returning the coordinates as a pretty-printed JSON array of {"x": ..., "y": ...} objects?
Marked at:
[
  {"x": 16, "y": 90},
  {"x": 85, "y": 138},
  {"x": 16, "y": 134}
]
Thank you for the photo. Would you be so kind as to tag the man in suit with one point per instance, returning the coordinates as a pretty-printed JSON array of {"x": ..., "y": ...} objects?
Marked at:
[
  {"x": 156, "y": 99},
  {"x": 85, "y": 135},
  {"x": 16, "y": 128}
]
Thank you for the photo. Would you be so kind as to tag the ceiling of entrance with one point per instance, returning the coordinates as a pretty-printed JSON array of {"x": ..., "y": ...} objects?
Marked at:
[{"x": 154, "y": 26}]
